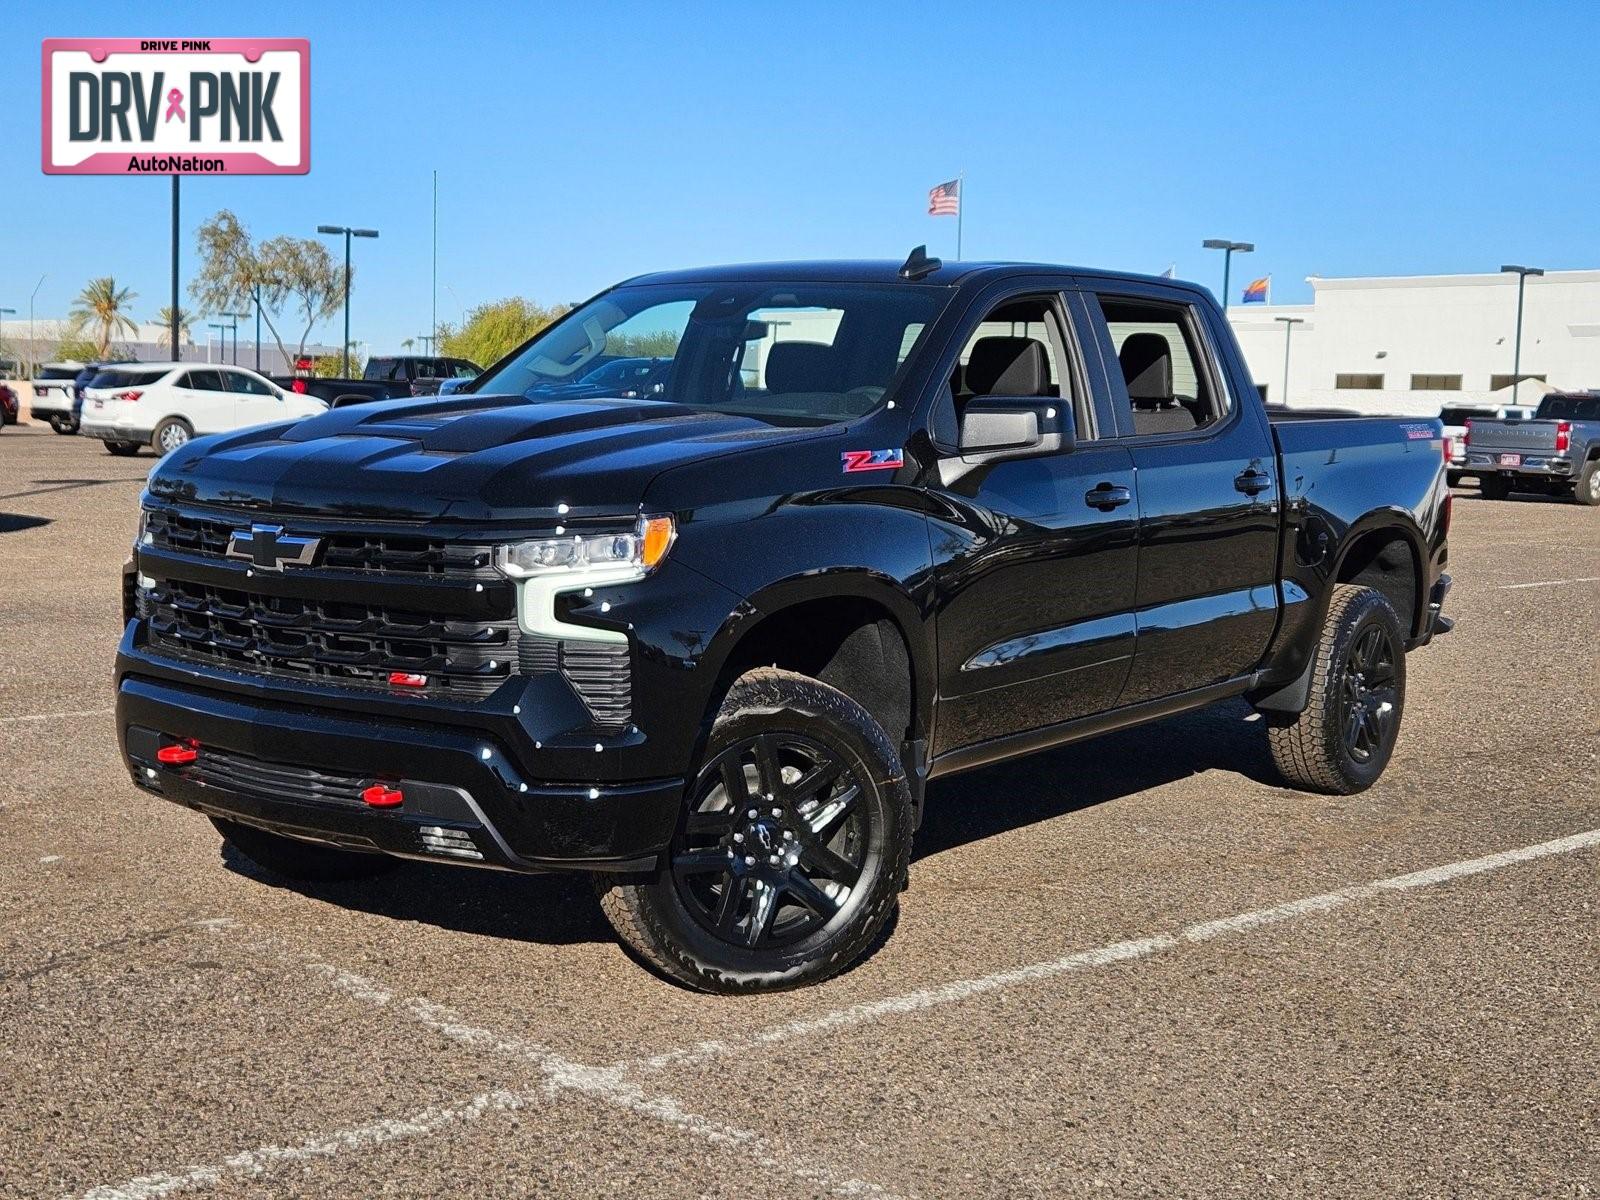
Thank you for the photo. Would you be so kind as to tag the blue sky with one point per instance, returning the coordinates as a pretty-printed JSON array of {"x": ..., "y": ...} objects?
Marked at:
[{"x": 580, "y": 143}]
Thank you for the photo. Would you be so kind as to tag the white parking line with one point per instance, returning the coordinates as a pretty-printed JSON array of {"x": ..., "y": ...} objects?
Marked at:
[
  {"x": 1203, "y": 931},
  {"x": 259, "y": 1161},
  {"x": 60, "y": 716},
  {"x": 612, "y": 1085},
  {"x": 1509, "y": 587}
]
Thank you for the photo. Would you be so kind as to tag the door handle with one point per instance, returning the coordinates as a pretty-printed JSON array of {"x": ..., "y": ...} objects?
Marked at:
[
  {"x": 1252, "y": 482},
  {"x": 1107, "y": 496}
]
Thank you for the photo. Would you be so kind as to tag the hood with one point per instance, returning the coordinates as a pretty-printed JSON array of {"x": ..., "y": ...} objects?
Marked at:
[{"x": 466, "y": 457}]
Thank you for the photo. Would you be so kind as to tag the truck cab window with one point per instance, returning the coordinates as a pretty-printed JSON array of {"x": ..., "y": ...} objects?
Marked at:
[
  {"x": 1163, "y": 367},
  {"x": 1016, "y": 350}
]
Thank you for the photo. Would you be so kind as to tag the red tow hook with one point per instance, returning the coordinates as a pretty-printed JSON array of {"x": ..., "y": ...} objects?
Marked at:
[
  {"x": 179, "y": 755},
  {"x": 381, "y": 795}
]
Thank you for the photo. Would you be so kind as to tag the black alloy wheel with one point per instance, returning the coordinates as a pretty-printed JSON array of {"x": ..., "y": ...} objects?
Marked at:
[
  {"x": 1371, "y": 700},
  {"x": 773, "y": 845},
  {"x": 790, "y": 850}
]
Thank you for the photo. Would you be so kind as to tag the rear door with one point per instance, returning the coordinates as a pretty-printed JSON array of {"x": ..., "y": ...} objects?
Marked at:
[
  {"x": 202, "y": 399},
  {"x": 1035, "y": 557},
  {"x": 1207, "y": 599}
]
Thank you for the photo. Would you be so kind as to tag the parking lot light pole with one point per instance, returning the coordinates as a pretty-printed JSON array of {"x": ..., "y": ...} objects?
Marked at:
[
  {"x": 4, "y": 312},
  {"x": 1229, "y": 249},
  {"x": 33, "y": 349},
  {"x": 1522, "y": 274},
  {"x": 348, "y": 234},
  {"x": 233, "y": 324},
  {"x": 222, "y": 336},
  {"x": 256, "y": 295},
  {"x": 1288, "y": 328}
]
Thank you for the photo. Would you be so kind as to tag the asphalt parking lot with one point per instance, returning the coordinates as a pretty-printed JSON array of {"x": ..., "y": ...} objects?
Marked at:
[{"x": 1132, "y": 967}]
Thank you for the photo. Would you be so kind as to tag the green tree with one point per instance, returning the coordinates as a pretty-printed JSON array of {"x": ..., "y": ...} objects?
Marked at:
[
  {"x": 493, "y": 330},
  {"x": 164, "y": 319},
  {"x": 101, "y": 310},
  {"x": 75, "y": 346},
  {"x": 293, "y": 277}
]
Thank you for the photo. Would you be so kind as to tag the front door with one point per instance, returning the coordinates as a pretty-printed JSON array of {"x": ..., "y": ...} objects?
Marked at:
[
  {"x": 1208, "y": 514},
  {"x": 254, "y": 401},
  {"x": 1034, "y": 558}
]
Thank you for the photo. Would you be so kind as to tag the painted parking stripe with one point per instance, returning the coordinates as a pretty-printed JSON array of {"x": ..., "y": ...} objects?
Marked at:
[
  {"x": 59, "y": 716},
  {"x": 1160, "y": 943},
  {"x": 612, "y": 1083},
  {"x": 1510, "y": 587}
]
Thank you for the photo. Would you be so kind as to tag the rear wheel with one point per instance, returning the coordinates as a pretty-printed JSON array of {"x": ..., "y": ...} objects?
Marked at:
[
  {"x": 63, "y": 425},
  {"x": 124, "y": 449},
  {"x": 1587, "y": 488},
  {"x": 170, "y": 434},
  {"x": 1342, "y": 741},
  {"x": 294, "y": 859},
  {"x": 1494, "y": 487},
  {"x": 790, "y": 851}
]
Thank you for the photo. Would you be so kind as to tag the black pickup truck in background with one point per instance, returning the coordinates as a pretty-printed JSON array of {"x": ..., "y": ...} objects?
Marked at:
[
  {"x": 882, "y": 524},
  {"x": 385, "y": 378},
  {"x": 1556, "y": 453}
]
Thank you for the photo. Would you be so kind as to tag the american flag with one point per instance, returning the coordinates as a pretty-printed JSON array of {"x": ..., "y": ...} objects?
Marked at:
[{"x": 944, "y": 200}]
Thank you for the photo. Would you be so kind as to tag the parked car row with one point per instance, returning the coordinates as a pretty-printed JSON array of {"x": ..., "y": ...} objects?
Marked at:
[
  {"x": 1555, "y": 451},
  {"x": 130, "y": 405}
]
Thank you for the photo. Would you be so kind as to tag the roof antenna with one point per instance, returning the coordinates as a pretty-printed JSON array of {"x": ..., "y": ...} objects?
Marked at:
[{"x": 918, "y": 264}]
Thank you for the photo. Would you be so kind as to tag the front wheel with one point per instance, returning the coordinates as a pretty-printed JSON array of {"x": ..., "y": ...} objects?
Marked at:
[
  {"x": 1342, "y": 741},
  {"x": 1494, "y": 487},
  {"x": 124, "y": 449},
  {"x": 790, "y": 850}
]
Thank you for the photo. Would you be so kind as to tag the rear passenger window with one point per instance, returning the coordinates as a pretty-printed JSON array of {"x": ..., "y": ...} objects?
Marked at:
[
  {"x": 1163, "y": 366},
  {"x": 203, "y": 381}
]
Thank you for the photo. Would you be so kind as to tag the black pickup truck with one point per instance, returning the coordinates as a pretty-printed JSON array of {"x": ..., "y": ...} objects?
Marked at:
[
  {"x": 387, "y": 378},
  {"x": 885, "y": 523}
]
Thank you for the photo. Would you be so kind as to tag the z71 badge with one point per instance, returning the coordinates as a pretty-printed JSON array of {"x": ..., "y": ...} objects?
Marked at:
[{"x": 872, "y": 460}]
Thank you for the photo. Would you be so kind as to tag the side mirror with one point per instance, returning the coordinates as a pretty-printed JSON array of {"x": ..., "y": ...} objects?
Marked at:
[{"x": 997, "y": 428}]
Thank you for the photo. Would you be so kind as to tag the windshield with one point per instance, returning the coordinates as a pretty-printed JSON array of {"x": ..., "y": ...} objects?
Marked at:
[
  {"x": 1460, "y": 416},
  {"x": 789, "y": 354},
  {"x": 1570, "y": 408}
]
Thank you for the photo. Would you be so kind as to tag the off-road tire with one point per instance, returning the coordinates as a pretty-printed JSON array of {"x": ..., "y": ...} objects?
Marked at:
[
  {"x": 650, "y": 914},
  {"x": 1494, "y": 487},
  {"x": 1310, "y": 749},
  {"x": 1586, "y": 490},
  {"x": 299, "y": 860},
  {"x": 175, "y": 430},
  {"x": 124, "y": 449}
]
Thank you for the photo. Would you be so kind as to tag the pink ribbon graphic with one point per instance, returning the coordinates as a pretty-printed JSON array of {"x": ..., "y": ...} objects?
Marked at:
[{"x": 175, "y": 106}]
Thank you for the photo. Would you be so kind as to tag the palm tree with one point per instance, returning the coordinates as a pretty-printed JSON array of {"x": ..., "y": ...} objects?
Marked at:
[
  {"x": 102, "y": 307},
  {"x": 164, "y": 319},
  {"x": 407, "y": 344}
]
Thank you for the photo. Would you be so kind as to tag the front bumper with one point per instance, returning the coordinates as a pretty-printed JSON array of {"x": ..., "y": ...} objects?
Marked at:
[{"x": 300, "y": 772}]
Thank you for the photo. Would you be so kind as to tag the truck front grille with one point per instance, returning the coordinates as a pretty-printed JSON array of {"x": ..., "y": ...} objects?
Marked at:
[
  {"x": 355, "y": 643},
  {"x": 387, "y": 553}
]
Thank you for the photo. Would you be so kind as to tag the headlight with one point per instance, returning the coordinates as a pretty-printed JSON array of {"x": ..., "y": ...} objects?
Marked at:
[{"x": 638, "y": 549}]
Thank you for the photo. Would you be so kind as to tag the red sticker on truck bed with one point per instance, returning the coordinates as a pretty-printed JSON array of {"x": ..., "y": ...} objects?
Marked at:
[
  {"x": 872, "y": 460},
  {"x": 1419, "y": 433}
]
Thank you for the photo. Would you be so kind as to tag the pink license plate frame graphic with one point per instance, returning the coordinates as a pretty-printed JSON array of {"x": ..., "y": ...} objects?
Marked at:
[{"x": 231, "y": 162}]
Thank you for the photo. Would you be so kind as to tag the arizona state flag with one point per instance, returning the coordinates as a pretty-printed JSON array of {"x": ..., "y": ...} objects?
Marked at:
[{"x": 1256, "y": 293}]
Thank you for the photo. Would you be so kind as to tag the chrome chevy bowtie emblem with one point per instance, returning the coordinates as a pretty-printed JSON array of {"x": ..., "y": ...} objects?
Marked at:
[{"x": 268, "y": 548}]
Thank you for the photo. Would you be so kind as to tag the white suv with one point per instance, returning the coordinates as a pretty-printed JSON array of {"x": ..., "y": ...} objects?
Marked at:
[{"x": 165, "y": 404}]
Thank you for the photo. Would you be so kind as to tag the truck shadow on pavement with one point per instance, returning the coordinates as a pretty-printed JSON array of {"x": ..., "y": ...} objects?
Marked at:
[
  {"x": 970, "y": 807},
  {"x": 560, "y": 909},
  {"x": 15, "y": 522}
]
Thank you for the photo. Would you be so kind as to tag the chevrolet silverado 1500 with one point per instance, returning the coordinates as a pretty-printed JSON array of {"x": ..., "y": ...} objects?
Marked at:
[{"x": 883, "y": 523}]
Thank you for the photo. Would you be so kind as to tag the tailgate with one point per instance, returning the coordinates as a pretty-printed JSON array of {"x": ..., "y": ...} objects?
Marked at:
[{"x": 1512, "y": 435}]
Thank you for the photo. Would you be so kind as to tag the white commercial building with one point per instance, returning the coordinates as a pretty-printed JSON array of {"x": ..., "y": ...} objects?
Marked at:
[{"x": 1413, "y": 344}]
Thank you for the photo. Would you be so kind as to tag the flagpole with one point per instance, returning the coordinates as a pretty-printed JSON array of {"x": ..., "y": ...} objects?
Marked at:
[{"x": 961, "y": 208}]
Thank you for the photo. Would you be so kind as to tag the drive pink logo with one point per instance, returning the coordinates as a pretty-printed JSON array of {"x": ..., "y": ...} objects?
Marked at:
[{"x": 157, "y": 106}]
